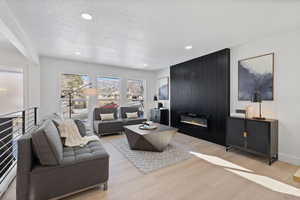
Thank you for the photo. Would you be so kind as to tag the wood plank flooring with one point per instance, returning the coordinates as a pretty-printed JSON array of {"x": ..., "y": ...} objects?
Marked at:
[{"x": 192, "y": 179}]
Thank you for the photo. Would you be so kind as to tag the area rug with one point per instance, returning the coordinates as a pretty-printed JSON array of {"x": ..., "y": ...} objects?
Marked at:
[{"x": 147, "y": 161}]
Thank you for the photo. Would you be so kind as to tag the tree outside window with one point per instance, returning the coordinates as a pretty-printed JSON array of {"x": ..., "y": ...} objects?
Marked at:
[
  {"x": 135, "y": 93},
  {"x": 108, "y": 92},
  {"x": 71, "y": 82}
]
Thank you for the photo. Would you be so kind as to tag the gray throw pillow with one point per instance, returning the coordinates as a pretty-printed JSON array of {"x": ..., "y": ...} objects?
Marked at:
[
  {"x": 81, "y": 127},
  {"x": 47, "y": 144}
]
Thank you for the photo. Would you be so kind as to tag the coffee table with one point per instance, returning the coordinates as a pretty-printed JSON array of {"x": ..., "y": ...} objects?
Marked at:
[{"x": 149, "y": 140}]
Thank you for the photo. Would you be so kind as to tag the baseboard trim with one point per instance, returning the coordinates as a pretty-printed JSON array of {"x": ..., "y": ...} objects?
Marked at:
[{"x": 289, "y": 159}]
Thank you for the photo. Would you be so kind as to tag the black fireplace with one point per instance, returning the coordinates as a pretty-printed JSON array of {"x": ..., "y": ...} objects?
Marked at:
[{"x": 201, "y": 87}]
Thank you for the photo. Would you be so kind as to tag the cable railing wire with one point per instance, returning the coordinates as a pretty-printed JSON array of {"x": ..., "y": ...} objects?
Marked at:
[{"x": 12, "y": 126}]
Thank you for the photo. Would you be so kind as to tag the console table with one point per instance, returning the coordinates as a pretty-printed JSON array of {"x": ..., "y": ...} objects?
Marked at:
[{"x": 255, "y": 136}]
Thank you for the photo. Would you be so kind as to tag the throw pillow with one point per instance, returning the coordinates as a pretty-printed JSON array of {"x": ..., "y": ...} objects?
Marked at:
[
  {"x": 47, "y": 144},
  {"x": 132, "y": 115},
  {"x": 108, "y": 116},
  {"x": 81, "y": 127}
]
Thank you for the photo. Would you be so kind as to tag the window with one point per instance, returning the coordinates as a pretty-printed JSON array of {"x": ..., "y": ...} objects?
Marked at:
[
  {"x": 108, "y": 91},
  {"x": 135, "y": 93},
  {"x": 69, "y": 83},
  {"x": 11, "y": 90}
]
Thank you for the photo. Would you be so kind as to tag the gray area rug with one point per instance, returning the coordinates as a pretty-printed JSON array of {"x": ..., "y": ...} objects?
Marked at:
[{"x": 147, "y": 161}]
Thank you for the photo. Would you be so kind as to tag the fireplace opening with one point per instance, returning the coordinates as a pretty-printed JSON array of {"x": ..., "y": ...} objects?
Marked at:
[{"x": 194, "y": 119}]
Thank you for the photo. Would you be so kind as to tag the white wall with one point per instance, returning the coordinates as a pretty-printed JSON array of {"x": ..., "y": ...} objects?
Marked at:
[
  {"x": 52, "y": 68},
  {"x": 286, "y": 106}
]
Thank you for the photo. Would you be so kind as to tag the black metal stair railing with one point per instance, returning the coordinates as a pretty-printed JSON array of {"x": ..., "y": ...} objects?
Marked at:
[{"x": 12, "y": 127}]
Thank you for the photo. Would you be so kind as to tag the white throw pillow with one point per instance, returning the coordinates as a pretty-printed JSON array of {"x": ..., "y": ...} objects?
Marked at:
[
  {"x": 106, "y": 117},
  {"x": 132, "y": 115}
]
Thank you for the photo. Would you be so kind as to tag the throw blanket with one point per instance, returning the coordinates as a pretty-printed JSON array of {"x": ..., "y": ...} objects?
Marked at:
[{"x": 68, "y": 129}]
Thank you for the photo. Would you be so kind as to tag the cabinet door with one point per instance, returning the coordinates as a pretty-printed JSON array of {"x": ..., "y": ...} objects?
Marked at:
[
  {"x": 152, "y": 115},
  {"x": 155, "y": 115},
  {"x": 164, "y": 117},
  {"x": 235, "y": 130},
  {"x": 258, "y": 136}
]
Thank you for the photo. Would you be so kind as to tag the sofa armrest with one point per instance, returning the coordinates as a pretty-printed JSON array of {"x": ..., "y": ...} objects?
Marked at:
[
  {"x": 24, "y": 167},
  {"x": 95, "y": 126}
]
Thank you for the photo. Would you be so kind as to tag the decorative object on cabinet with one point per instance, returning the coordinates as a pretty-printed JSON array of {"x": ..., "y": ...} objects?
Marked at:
[
  {"x": 163, "y": 88},
  {"x": 256, "y": 73},
  {"x": 160, "y": 105},
  {"x": 160, "y": 115},
  {"x": 259, "y": 137},
  {"x": 155, "y": 99},
  {"x": 257, "y": 99}
]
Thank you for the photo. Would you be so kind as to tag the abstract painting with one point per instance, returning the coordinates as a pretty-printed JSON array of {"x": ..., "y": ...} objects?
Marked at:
[
  {"x": 256, "y": 74},
  {"x": 163, "y": 88}
]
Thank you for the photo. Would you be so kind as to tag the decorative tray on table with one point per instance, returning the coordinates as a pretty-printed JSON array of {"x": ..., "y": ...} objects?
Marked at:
[{"x": 147, "y": 126}]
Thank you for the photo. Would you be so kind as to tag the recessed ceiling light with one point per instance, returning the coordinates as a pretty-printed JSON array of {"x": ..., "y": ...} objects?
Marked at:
[
  {"x": 188, "y": 47},
  {"x": 145, "y": 65},
  {"x": 86, "y": 16},
  {"x": 77, "y": 53}
]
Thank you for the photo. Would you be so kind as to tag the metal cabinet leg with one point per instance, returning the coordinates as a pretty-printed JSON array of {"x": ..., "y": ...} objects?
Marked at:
[{"x": 105, "y": 186}]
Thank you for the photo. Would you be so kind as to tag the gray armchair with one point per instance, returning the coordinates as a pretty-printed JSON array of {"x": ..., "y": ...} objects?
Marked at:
[
  {"x": 102, "y": 127},
  {"x": 131, "y": 109}
]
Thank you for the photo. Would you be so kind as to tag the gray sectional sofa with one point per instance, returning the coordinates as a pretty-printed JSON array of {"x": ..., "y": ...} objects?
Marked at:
[
  {"x": 46, "y": 169},
  {"x": 102, "y": 127}
]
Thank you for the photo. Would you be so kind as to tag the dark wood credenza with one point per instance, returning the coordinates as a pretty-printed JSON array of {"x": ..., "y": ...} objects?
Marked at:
[{"x": 259, "y": 137}]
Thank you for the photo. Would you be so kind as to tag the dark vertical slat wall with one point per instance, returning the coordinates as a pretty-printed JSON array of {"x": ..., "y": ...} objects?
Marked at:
[{"x": 202, "y": 86}]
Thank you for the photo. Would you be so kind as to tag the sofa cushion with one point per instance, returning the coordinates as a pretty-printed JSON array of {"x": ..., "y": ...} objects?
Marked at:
[
  {"x": 92, "y": 151},
  {"x": 133, "y": 121},
  {"x": 103, "y": 110},
  {"x": 47, "y": 144},
  {"x": 129, "y": 109},
  {"x": 115, "y": 121},
  {"x": 112, "y": 126}
]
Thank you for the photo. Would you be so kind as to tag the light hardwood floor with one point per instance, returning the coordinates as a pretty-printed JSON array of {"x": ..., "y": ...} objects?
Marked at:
[{"x": 195, "y": 178}]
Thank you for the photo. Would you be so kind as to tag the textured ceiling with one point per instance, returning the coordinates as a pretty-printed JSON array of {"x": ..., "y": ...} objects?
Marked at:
[
  {"x": 130, "y": 33},
  {"x": 5, "y": 44}
]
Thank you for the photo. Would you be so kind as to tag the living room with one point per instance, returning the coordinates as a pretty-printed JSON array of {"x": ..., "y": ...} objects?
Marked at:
[{"x": 149, "y": 100}]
